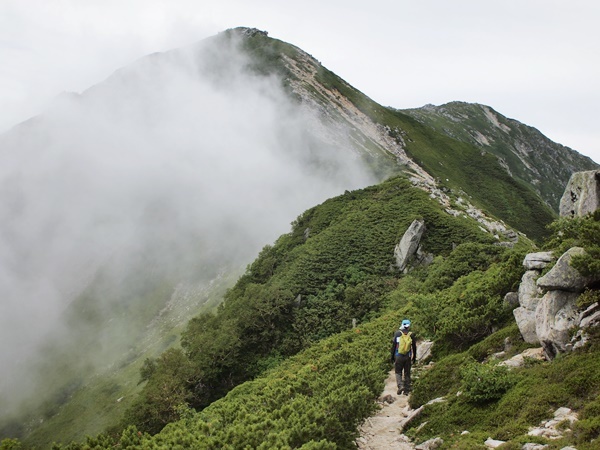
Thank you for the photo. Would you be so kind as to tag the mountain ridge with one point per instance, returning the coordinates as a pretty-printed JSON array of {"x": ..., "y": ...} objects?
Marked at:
[
  {"x": 467, "y": 122},
  {"x": 342, "y": 119}
]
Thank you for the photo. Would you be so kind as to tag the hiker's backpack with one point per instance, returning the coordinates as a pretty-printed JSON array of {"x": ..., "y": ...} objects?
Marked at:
[{"x": 404, "y": 343}]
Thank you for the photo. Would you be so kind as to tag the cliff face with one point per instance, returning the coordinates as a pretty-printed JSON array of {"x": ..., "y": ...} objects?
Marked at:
[{"x": 524, "y": 152}]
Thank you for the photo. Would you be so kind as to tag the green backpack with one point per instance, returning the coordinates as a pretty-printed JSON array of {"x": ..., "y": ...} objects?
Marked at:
[{"x": 404, "y": 343}]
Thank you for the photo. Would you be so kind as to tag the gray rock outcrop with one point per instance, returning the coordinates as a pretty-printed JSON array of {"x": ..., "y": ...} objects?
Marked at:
[
  {"x": 511, "y": 299},
  {"x": 555, "y": 428},
  {"x": 528, "y": 354},
  {"x": 538, "y": 261},
  {"x": 582, "y": 194},
  {"x": 528, "y": 290},
  {"x": 409, "y": 244},
  {"x": 555, "y": 315},
  {"x": 525, "y": 319},
  {"x": 547, "y": 311},
  {"x": 564, "y": 277},
  {"x": 590, "y": 317},
  {"x": 529, "y": 298}
]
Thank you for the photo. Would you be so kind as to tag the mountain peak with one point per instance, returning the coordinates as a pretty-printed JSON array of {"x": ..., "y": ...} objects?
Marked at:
[{"x": 247, "y": 31}]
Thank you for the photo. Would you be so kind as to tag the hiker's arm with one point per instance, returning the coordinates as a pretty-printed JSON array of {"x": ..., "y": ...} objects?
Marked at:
[
  {"x": 414, "y": 350},
  {"x": 393, "y": 349}
]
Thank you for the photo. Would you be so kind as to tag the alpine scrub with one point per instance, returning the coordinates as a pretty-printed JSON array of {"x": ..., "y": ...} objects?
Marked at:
[
  {"x": 335, "y": 265},
  {"x": 314, "y": 400}
]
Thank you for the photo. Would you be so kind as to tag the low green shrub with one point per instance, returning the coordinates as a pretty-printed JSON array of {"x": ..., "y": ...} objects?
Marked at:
[
  {"x": 10, "y": 444},
  {"x": 314, "y": 400},
  {"x": 442, "y": 379},
  {"x": 483, "y": 383}
]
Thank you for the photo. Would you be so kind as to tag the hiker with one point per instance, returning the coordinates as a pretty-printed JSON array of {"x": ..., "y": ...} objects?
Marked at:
[{"x": 404, "y": 354}]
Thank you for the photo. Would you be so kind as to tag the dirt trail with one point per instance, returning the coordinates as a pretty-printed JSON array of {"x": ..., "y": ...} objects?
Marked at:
[{"x": 381, "y": 431}]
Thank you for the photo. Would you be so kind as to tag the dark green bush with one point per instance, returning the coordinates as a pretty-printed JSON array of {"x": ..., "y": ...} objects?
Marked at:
[
  {"x": 482, "y": 383},
  {"x": 578, "y": 232}
]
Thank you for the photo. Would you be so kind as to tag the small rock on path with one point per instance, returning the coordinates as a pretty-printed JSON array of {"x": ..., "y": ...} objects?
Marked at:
[{"x": 382, "y": 431}]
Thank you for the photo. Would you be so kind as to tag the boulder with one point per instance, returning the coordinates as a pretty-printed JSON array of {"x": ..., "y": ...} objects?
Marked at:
[
  {"x": 590, "y": 321},
  {"x": 537, "y": 261},
  {"x": 555, "y": 315},
  {"x": 424, "y": 350},
  {"x": 589, "y": 310},
  {"x": 511, "y": 299},
  {"x": 519, "y": 360},
  {"x": 493, "y": 443},
  {"x": 582, "y": 194},
  {"x": 525, "y": 319},
  {"x": 528, "y": 290},
  {"x": 408, "y": 245},
  {"x": 564, "y": 277},
  {"x": 431, "y": 444}
]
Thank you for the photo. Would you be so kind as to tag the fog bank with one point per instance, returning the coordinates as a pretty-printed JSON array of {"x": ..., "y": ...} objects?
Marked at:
[{"x": 188, "y": 152}]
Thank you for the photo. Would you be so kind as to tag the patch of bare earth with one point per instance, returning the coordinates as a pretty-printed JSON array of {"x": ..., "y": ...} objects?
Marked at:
[{"x": 383, "y": 430}]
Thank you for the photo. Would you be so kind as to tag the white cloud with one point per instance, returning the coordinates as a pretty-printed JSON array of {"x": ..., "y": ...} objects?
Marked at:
[
  {"x": 186, "y": 149},
  {"x": 402, "y": 53}
]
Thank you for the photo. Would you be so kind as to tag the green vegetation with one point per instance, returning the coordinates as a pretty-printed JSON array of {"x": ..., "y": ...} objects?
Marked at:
[
  {"x": 482, "y": 383},
  {"x": 459, "y": 165},
  {"x": 579, "y": 232},
  {"x": 314, "y": 400},
  {"x": 493, "y": 133},
  {"x": 505, "y": 404},
  {"x": 317, "y": 398},
  {"x": 277, "y": 364},
  {"x": 334, "y": 266}
]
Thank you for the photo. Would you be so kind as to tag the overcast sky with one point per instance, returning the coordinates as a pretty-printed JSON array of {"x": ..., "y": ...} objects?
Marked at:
[{"x": 537, "y": 61}]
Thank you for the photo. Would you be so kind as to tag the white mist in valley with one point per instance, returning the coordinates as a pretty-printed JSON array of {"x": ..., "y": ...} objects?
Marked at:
[{"x": 187, "y": 153}]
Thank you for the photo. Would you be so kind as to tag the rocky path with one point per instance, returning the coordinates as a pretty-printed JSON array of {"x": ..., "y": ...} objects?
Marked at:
[{"x": 382, "y": 431}]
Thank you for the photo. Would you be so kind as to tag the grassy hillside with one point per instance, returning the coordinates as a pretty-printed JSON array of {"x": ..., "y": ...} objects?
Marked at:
[
  {"x": 458, "y": 165},
  {"x": 334, "y": 266},
  {"x": 530, "y": 157},
  {"x": 316, "y": 399},
  {"x": 456, "y": 162}
]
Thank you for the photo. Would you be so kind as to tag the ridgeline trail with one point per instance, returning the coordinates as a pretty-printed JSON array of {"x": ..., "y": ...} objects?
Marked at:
[{"x": 382, "y": 431}]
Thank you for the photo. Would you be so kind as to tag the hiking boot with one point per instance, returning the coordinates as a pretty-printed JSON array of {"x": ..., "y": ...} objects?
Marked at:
[{"x": 399, "y": 391}]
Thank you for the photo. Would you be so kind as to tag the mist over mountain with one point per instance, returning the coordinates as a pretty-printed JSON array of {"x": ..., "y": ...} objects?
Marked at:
[
  {"x": 180, "y": 161},
  {"x": 134, "y": 203}
]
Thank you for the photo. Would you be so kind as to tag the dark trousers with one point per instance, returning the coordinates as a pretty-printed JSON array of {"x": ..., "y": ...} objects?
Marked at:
[{"x": 402, "y": 366}]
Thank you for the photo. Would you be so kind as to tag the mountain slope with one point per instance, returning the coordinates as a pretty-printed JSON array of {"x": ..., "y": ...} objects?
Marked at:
[
  {"x": 432, "y": 160},
  {"x": 334, "y": 266},
  {"x": 317, "y": 398},
  {"x": 160, "y": 176},
  {"x": 524, "y": 152}
]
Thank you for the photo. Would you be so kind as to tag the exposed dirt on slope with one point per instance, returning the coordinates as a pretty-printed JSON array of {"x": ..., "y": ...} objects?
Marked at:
[{"x": 382, "y": 431}]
